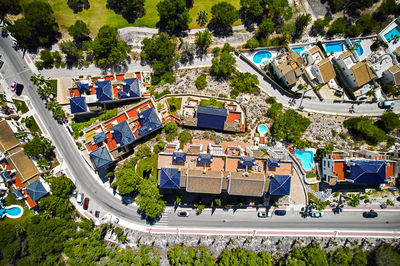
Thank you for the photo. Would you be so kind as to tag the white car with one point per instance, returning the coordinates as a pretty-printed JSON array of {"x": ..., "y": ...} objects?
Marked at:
[{"x": 317, "y": 214}]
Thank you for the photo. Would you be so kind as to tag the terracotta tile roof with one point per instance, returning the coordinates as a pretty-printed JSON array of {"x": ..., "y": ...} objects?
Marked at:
[
  {"x": 326, "y": 69},
  {"x": 395, "y": 70},
  {"x": 339, "y": 170},
  {"x": 285, "y": 168},
  {"x": 7, "y": 138},
  {"x": 390, "y": 170},
  {"x": 362, "y": 73},
  {"x": 209, "y": 182},
  {"x": 251, "y": 185},
  {"x": 345, "y": 54},
  {"x": 23, "y": 165}
]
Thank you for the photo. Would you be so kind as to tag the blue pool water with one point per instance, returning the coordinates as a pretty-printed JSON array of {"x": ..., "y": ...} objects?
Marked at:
[
  {"x": 298, "y": 49},
  {"x": 306, "y": 158},
  {"x": 11, "y": 212},
  {"x": 359, "y": 50},
  {"x": 395, "y": 32},
  {"x": 334, "y": 47},
  {"x": 262, "y": 129},
  {"x": 260, "y": 55}
]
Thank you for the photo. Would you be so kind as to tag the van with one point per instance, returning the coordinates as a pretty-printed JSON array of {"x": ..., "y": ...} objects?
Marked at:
[
  {"x": 386, "y": 104},
  {"x": 79, "y": 198}
]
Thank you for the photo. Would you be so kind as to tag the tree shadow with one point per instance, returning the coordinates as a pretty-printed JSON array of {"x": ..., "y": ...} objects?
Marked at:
[
  {"x": 248, "y": 20},
  {"x": 220, "y": 30}
]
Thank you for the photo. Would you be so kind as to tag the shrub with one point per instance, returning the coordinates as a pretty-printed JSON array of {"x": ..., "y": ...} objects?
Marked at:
[{"x": 201, "y": 82}]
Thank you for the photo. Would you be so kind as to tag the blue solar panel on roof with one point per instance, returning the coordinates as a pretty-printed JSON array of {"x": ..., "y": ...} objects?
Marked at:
[
  {"x": 273, "y": 162},
  {"x": 247, "y": 161},
  {"x": 122, "y": 133},
  {"x": 101, "y": 157},
  {"x": 131, "y": 88},
  {"x": 205, "y": 158},
  {"x": 170, "y": 178},
  {"x": 78, "y": 105},
  {"x": 149, "y": 121},
  {"x": 104, "y": 91},
  {"x": 280, "y": 185},
  {"x": 368, "y": 172},
  {"x": 179, "y": 156},
  {"x": 211, "y": 117},
  {"x": 99, "y": 137},
  {"x": 83, "y": 87},
  {"x": 36, "y": 190}
]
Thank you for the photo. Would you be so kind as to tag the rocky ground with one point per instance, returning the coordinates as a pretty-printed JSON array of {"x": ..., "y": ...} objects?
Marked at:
[{"x": 276, "y": 246}]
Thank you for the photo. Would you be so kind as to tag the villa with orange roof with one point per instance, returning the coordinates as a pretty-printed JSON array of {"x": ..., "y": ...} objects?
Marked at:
[
  {"x": 216, "y": 169},
  {"x": 362, "y": 167},
  {"x": 111, "y": 140},
  {"x": 121, "y": 87}
]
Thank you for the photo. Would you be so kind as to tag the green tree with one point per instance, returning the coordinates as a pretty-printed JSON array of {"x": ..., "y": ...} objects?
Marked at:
[
  {"x": 244, "y": 83},
  {"x": 58, "y": 112},
  {"x": 203, "y": 40},
  {"x": 359, "y": 257},
  {"x": 252, "y": 10},
  {"x": 38, "y": 146},
  {"x": 265, "y": 28},
  {"x": 337, "y": 26},
  {"x": 143, "y": 151},
  {"x": 252, "y": 43},
  {"x": 149, "y": 198},
  {"x": 365, "y": 128},
  {"x": 79, "y": 31},
  {"x": 275, "y": 110},
  {"x": 224, "y": 14},
  {"x": 390, "y": 121},
  {"x": 73, "y": 54},
  {"x": 340, "y": 257},
  {"x": 42, "y": 163},
  {"x": 180, "y": 255},
  {"x": 107, "y": 48},
  {"x": 127, "y": 180},
  {"x": 319, "y": 26},
  {"x": 47, "y": 58},
  {"x": 130, "y": 10},
  {"x": 78, "y": 5},
  {"x": 185, "y": 137},
  {"x": 367, "y": 22},
  {"x": 278, "y": 9},
  {"x": 174, "y": 15},
  {"x": 387, "y": 255},
  {"x": 12, "y": 7},
  {"x": 390, "y": 90},
  {"x": 301, "y": 22},
  {"x": 201, "y": 82},
  {"x": 56, "y": 206},
  {"x": 290, "y": 126},
  {"x": 288, "y": 31},
  {"x": 202, "y": 18},
  {"x": 160, "y": 51},
  {"x": 223, "y": 65},
  {"x": 61, "y": 186},
  {"x": 171, "y": 128},
  {"x": 38, "y": 27}
]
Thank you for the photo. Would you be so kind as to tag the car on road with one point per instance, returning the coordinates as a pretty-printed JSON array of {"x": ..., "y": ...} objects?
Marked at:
[
  {"x": 86, "y": 204},
  {"x": 280, "y": 212},
  {"x": 183, "y": 214},
  {"x": 14, "y": 85},
  {"x": 79, "y": 198},
  {"x": 317, "y": 214},
  {"x": 116, "y": 220},
  {"x": 386, "y": 104},
  {"x": 1, "y": 63},
  {"x": 370, "y": 214},
  {"x": 262, "y": 214}
]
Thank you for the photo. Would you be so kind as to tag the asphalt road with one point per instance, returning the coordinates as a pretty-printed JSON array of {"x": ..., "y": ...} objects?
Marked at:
[
  {"x": 86, "y": 182},
  {"x": 347, "y": 220}
]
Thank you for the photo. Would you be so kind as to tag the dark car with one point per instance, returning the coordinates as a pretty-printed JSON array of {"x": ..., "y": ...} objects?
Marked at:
[
  {"x": 280, "y": 212},
  {"x": 86, "y": 204},
  {"x": 183, "y": 214},
  {"x": 370, "y": 214}
]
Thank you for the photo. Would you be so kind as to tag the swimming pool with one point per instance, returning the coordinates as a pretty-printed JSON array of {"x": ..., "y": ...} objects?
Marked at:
[
  {"x": 262, "y": 129},
  {"x": 260, "y": 55},
  {"x": 306, "y": 158},
  {"x": 13, "y": 211},
  {"x": 394, "y": 33},
  {"x": 298, "y": 49},
  {"x": 334, "y": 47},
  {"x": 359, "y": 49}
]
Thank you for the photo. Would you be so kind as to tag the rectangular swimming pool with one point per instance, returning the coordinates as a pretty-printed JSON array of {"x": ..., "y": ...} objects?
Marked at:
[
  {"x": 359, "y": 49},
  {"x": 334, "y": 47},
  {"x": 394, "y": 33},
  {"x": 298, "y": 49}
]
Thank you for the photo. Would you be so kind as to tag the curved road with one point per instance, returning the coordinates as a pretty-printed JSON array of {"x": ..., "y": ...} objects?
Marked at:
[{"x": 85, "y": 180}]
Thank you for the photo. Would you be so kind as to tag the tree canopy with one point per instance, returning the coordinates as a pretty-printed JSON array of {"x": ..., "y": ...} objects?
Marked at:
[
  {"x": 365, "y": 128},
  {"x": 180, "y": 255},
  {"x": 203, "y": 40},
  {"x": 224, "y": 14},
  {"x": 290, "y": 126},
  {"x": 223, "y": 63},
  {"x": 9, "y": 7},
  {"x": 239, "y": 257},
  {"x": 38, "y": 146},
  {"x": 79, "y": 31},
  {"x": 390, "y": 121},
  {"x": 130, "y": 10},
  {"x": 149, "y": 198},
  {"x": 38, "y": 27},
  {"x": 244, "y": 83},
  {"x": 61, "y": 186},
  {"x": 107, "y": 48},
  {"x": 127, "y": 180},
  {"x": 174, "y": 15},
  {"x": 160, "y": 51},
  {"x": 78, "y": 5}
]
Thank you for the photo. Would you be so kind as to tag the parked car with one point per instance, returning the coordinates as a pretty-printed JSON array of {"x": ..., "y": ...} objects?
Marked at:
[
  {"x": 183, "y": 214},
  {"x": 386, "y": 104},
  {"x": 1, "y": 63},
  {"x": 14, "y": 85},
  {"x": 262, "y": 214},
  {"x": 370, "y": 214},
  {"x": 79, "y": 198},
  {"x": 116, "y": 220},
  {"x": 86, "y": 204},
  {"x": 280, "y": 212},
  {"x": 317, "y": 214}
]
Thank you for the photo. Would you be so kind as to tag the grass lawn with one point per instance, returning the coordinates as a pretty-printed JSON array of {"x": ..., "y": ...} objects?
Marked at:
[
  {"x": 147, "y": 164},
  {"x": 98, "y": 15},
  {"x": 53, "y": 84},
  {"x": 32, "y": 125},
  {"x": 21, "y": 106},
  {"x": 310, "y": 175},
  {"x": 208, "y": 103},
  {"x": 10, "y": 200}
]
